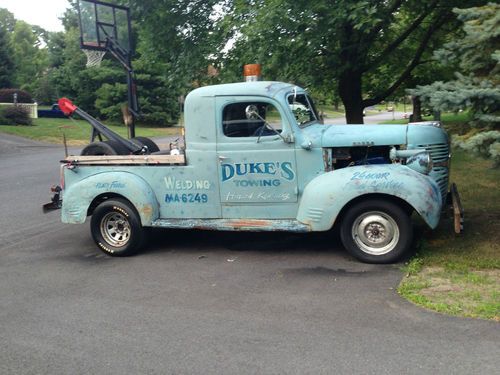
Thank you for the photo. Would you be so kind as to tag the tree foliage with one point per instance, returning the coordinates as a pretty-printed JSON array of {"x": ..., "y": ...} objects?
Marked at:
[
  {"x": 177, "y": 38},
  {"x": 475, "y": 53},
  {"x": 364, "y": 49},
  {"x": 102, "y": 90},
  {"x": 359, "y": 51},
  {"x": 29, "y": 59},
  {"x": 7, "y": 20},
  {"x": 6, "y": 64},
  {"x": 22, "y": 54}
]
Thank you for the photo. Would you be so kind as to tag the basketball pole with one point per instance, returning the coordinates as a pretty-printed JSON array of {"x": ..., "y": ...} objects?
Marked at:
[
  {"x": 99, "y": 32},
  {"x": 124, "y": 58},
  {"x": 132, "y": 88},
  {"x": 132, "y": 103}
]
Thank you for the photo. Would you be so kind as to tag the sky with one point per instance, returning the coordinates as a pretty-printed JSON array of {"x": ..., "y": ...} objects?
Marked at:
[{"x": 44, "y": 13}]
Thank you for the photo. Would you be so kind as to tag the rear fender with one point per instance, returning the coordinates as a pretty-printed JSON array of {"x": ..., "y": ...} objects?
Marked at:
[
  {"x": 326, "y": 195},
  {"x": 78, "y": 197}
]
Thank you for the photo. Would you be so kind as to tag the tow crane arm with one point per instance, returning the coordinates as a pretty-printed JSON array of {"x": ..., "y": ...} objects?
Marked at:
[{"x": 98, "y": 128}]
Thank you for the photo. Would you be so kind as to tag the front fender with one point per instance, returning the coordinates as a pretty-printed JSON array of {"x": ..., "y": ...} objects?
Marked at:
[
  {"x": 326, "y": 195},
  {"x": 78, "y": 197}
]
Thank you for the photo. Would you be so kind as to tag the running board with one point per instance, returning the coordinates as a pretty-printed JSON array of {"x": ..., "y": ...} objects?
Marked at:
[{"x": 251, "y": 225}]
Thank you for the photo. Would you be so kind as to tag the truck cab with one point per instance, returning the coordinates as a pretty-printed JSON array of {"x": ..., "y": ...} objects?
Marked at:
[{"x": 258, "y": 157}]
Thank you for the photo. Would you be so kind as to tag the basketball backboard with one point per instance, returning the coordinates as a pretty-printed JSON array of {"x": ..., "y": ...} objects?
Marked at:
[{"x": 100, "y": 21}]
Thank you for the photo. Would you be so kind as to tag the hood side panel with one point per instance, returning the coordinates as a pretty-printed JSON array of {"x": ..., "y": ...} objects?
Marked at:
[{"x": 363, "y": 135}]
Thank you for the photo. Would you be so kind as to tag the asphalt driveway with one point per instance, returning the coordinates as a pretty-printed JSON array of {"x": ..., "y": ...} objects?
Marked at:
[{"x": 204, "y": 302}]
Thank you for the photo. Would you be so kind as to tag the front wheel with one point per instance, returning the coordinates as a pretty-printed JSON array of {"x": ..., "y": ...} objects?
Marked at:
[
  {"x": 116, "y": 228},
  {"x": 377, "y": 231}
]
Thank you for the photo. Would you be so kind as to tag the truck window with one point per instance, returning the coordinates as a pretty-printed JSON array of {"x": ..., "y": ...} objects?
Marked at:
[
  {"x": 236, "y": 122},
  {"x": 303, "y": 109}
]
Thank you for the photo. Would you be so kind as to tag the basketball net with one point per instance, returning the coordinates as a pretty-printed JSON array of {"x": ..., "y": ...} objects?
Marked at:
[{"x": 94, "y": 57}]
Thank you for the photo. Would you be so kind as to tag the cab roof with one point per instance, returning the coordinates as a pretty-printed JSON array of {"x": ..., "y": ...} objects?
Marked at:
[{"x": 259, "y": 88}]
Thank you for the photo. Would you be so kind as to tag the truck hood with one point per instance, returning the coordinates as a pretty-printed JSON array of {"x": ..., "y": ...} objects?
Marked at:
[{"x": 356, "y": 135}]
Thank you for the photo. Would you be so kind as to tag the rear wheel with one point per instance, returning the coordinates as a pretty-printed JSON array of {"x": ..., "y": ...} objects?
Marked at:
[
  {"x": 376, "y": 231},
  {"x": 116, "y": 228}
]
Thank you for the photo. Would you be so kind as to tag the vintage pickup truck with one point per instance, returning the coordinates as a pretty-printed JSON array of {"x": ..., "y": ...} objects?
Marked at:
[{"x": 258, "y": 157}]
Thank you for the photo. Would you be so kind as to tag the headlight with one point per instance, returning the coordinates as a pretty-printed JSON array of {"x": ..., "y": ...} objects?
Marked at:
[{"x": 421, "y": 162}]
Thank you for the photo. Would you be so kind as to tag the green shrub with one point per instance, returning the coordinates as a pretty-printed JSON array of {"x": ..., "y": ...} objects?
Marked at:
[
  {"x": 7, "y": 96},
  {"x": 3, "y": 120},
  {"x": 15, "y": 116}
]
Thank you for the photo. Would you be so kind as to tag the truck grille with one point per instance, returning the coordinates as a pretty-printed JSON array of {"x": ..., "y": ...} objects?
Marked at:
[{"x": 440, "y": 153}]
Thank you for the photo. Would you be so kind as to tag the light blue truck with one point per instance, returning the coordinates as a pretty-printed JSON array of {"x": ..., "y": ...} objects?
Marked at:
[{"x": 257, "y": 157}]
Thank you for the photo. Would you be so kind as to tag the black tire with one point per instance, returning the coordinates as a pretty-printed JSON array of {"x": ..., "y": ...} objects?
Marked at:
[
  {"x": 376, "y": 231},
  {"x": 143, "y": 141},
  {"x": 116, "y": 228},
  {"x": 108, "y": 147},
  {"x": 119, "y": 148}
]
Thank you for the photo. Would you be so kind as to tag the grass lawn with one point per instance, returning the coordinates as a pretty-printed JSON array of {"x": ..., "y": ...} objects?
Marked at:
[
  {"x": 329, "y": 112},
  {"x": 455, "y": 123},
  {"x": 460, "y": 274},
  {"x": 398, "y": 107},
  {"x": 77, "y": 131}
]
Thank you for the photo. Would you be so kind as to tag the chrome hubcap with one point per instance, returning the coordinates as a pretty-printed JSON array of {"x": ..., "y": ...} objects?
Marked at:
[
  {"x": 375, "y": 232},
  {"x": 115, "y": 229}
]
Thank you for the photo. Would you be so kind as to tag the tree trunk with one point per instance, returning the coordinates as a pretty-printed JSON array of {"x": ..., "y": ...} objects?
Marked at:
[
  {"x": 336, "y": 104},
  {"x": 350, "y": 93},
  {"x": 417, "y": 109}
]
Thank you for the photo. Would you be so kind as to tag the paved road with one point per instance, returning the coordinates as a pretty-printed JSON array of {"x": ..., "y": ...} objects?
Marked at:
[{"x": 204, "y": 302}]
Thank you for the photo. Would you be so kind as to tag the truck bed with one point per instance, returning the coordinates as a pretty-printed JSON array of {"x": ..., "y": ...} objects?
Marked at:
[{"x": 126, "y": 160}]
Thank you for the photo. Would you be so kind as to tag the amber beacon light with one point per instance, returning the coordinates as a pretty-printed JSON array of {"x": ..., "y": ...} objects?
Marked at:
[{"x": 252, "y": 72}]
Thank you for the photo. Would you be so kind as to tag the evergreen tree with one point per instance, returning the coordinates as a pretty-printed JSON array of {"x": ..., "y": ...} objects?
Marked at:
[{"x": 476, "y": 54}]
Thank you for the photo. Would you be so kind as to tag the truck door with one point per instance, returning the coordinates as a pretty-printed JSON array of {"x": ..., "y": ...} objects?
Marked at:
[{"x": 257, "y": 167}]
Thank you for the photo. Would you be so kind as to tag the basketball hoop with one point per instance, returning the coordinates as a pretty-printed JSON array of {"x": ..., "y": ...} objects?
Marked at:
[
  {"x": 105, "y": 26},
  {"x": 94, "y": 57}
]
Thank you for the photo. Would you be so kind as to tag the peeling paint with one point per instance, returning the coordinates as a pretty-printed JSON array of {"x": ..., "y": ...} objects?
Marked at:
[
  {"x": 254, "y": 225},
  {"x": 326, "y": 191},
  {"x": 81, "y": 192},
  {"x": 274, "y": 185}
]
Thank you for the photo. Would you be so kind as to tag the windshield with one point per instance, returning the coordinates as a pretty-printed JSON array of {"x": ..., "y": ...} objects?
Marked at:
[{"x": 303, "y": 109}]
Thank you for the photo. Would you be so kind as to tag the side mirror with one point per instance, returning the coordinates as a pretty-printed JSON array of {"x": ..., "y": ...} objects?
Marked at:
[{"x": 252, "y": 112}]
